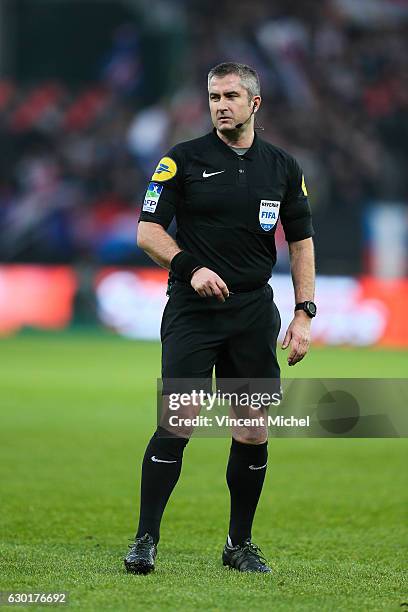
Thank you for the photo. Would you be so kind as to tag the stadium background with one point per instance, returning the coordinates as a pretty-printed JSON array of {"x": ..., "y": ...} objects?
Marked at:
[{"x": 91, "y": 94}]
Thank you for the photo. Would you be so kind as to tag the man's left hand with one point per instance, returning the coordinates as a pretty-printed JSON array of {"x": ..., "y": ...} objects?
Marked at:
[{"x": 298, "y": 337}]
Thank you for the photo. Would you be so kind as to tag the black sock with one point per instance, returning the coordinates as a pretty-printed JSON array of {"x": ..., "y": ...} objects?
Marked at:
[
  {"x": 245, "y": 483},
  {"x": 160, "y": 472}
]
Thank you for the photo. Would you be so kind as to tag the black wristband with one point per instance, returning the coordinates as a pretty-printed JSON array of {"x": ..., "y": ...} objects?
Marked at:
[{"x": 183, "y": 265}]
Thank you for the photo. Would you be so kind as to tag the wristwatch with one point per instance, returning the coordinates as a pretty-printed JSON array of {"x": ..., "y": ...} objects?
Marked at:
[{"x": 310, "y": 308}]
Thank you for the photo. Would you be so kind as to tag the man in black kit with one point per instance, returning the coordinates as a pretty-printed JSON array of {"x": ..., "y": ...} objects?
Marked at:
[{"x": 226, "y": 190}]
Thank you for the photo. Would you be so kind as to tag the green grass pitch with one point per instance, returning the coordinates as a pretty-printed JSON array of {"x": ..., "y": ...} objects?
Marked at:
[{"x": 76, "y": 413}]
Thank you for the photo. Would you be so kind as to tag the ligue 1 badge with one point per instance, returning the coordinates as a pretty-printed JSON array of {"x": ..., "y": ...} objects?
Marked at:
[{"x": 152, "y": 197}]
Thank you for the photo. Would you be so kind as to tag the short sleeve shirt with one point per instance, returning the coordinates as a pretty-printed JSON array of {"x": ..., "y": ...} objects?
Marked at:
[{"x": 227, "y": 206}]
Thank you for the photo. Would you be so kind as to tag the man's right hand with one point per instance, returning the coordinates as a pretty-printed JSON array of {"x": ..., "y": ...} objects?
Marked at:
[{"x": 208, "y": 284}]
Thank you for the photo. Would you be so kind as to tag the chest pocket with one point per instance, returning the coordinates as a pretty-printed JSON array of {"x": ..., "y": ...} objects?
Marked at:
[{"x": 263, "y": 210}]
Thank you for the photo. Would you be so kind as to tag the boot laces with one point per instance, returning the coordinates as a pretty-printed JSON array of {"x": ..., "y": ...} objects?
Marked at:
[
  {"x": 255, "y": 551},
  {"x": 143, "y": 543}
]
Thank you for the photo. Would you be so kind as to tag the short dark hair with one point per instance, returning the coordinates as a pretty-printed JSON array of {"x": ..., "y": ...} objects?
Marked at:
[{"x": 249, "y": 77}]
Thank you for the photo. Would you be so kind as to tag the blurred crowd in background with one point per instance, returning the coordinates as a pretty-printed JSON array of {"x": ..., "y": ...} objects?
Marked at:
[{"x": 76, "y": 155}]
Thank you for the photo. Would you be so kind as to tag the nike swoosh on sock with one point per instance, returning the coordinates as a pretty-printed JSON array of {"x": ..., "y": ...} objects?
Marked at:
[
  {"x": 256, "y": 467},
  {"x": 156, "y": 460}
]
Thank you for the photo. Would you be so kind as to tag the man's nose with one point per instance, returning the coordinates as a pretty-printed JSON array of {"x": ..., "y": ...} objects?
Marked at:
[{"x": 222, "y": 106}]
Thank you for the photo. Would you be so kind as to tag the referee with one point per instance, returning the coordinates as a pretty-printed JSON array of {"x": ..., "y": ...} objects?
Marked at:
[{"x": 227, "y": 190}]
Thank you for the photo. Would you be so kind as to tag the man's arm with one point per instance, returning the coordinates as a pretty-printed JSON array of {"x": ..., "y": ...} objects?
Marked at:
[
  {"x": 303, "y": 276},
  {"x": 302, "y": 265},
  {"x": 156, "y": 242}
]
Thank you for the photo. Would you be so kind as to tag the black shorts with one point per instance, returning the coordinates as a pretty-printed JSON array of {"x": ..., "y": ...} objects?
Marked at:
[{"x": 238, "y": 337}]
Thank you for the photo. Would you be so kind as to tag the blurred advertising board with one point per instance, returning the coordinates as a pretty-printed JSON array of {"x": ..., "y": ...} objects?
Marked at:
[
  {"x": 36, "y": 296},
  {"x": 354, "y": 311},
  {"x": 132, "y": 301}
]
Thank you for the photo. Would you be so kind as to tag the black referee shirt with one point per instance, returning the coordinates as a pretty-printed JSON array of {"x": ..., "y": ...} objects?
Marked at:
[{"x": 227, "y": 206}]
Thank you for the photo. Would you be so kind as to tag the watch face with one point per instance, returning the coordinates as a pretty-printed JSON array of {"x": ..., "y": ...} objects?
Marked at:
[{"x": 311, "y": 307}]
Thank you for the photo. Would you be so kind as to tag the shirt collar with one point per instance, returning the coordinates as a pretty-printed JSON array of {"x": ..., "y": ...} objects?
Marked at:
[{"x": 222, "y": 146}]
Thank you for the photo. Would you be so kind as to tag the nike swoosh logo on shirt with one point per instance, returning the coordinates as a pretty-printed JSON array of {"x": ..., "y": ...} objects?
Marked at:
[
  {"x": 254, "y": 467},
  {"x": 206, "y": 174},
  {"x": 156, "y": 460}
]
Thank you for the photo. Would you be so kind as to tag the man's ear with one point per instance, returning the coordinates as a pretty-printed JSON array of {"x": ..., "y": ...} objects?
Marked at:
[{"x": 256, "y": 105}]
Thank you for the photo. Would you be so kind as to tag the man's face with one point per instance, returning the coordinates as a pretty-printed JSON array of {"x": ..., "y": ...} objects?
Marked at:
[{"x": 229, "y": 102}]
